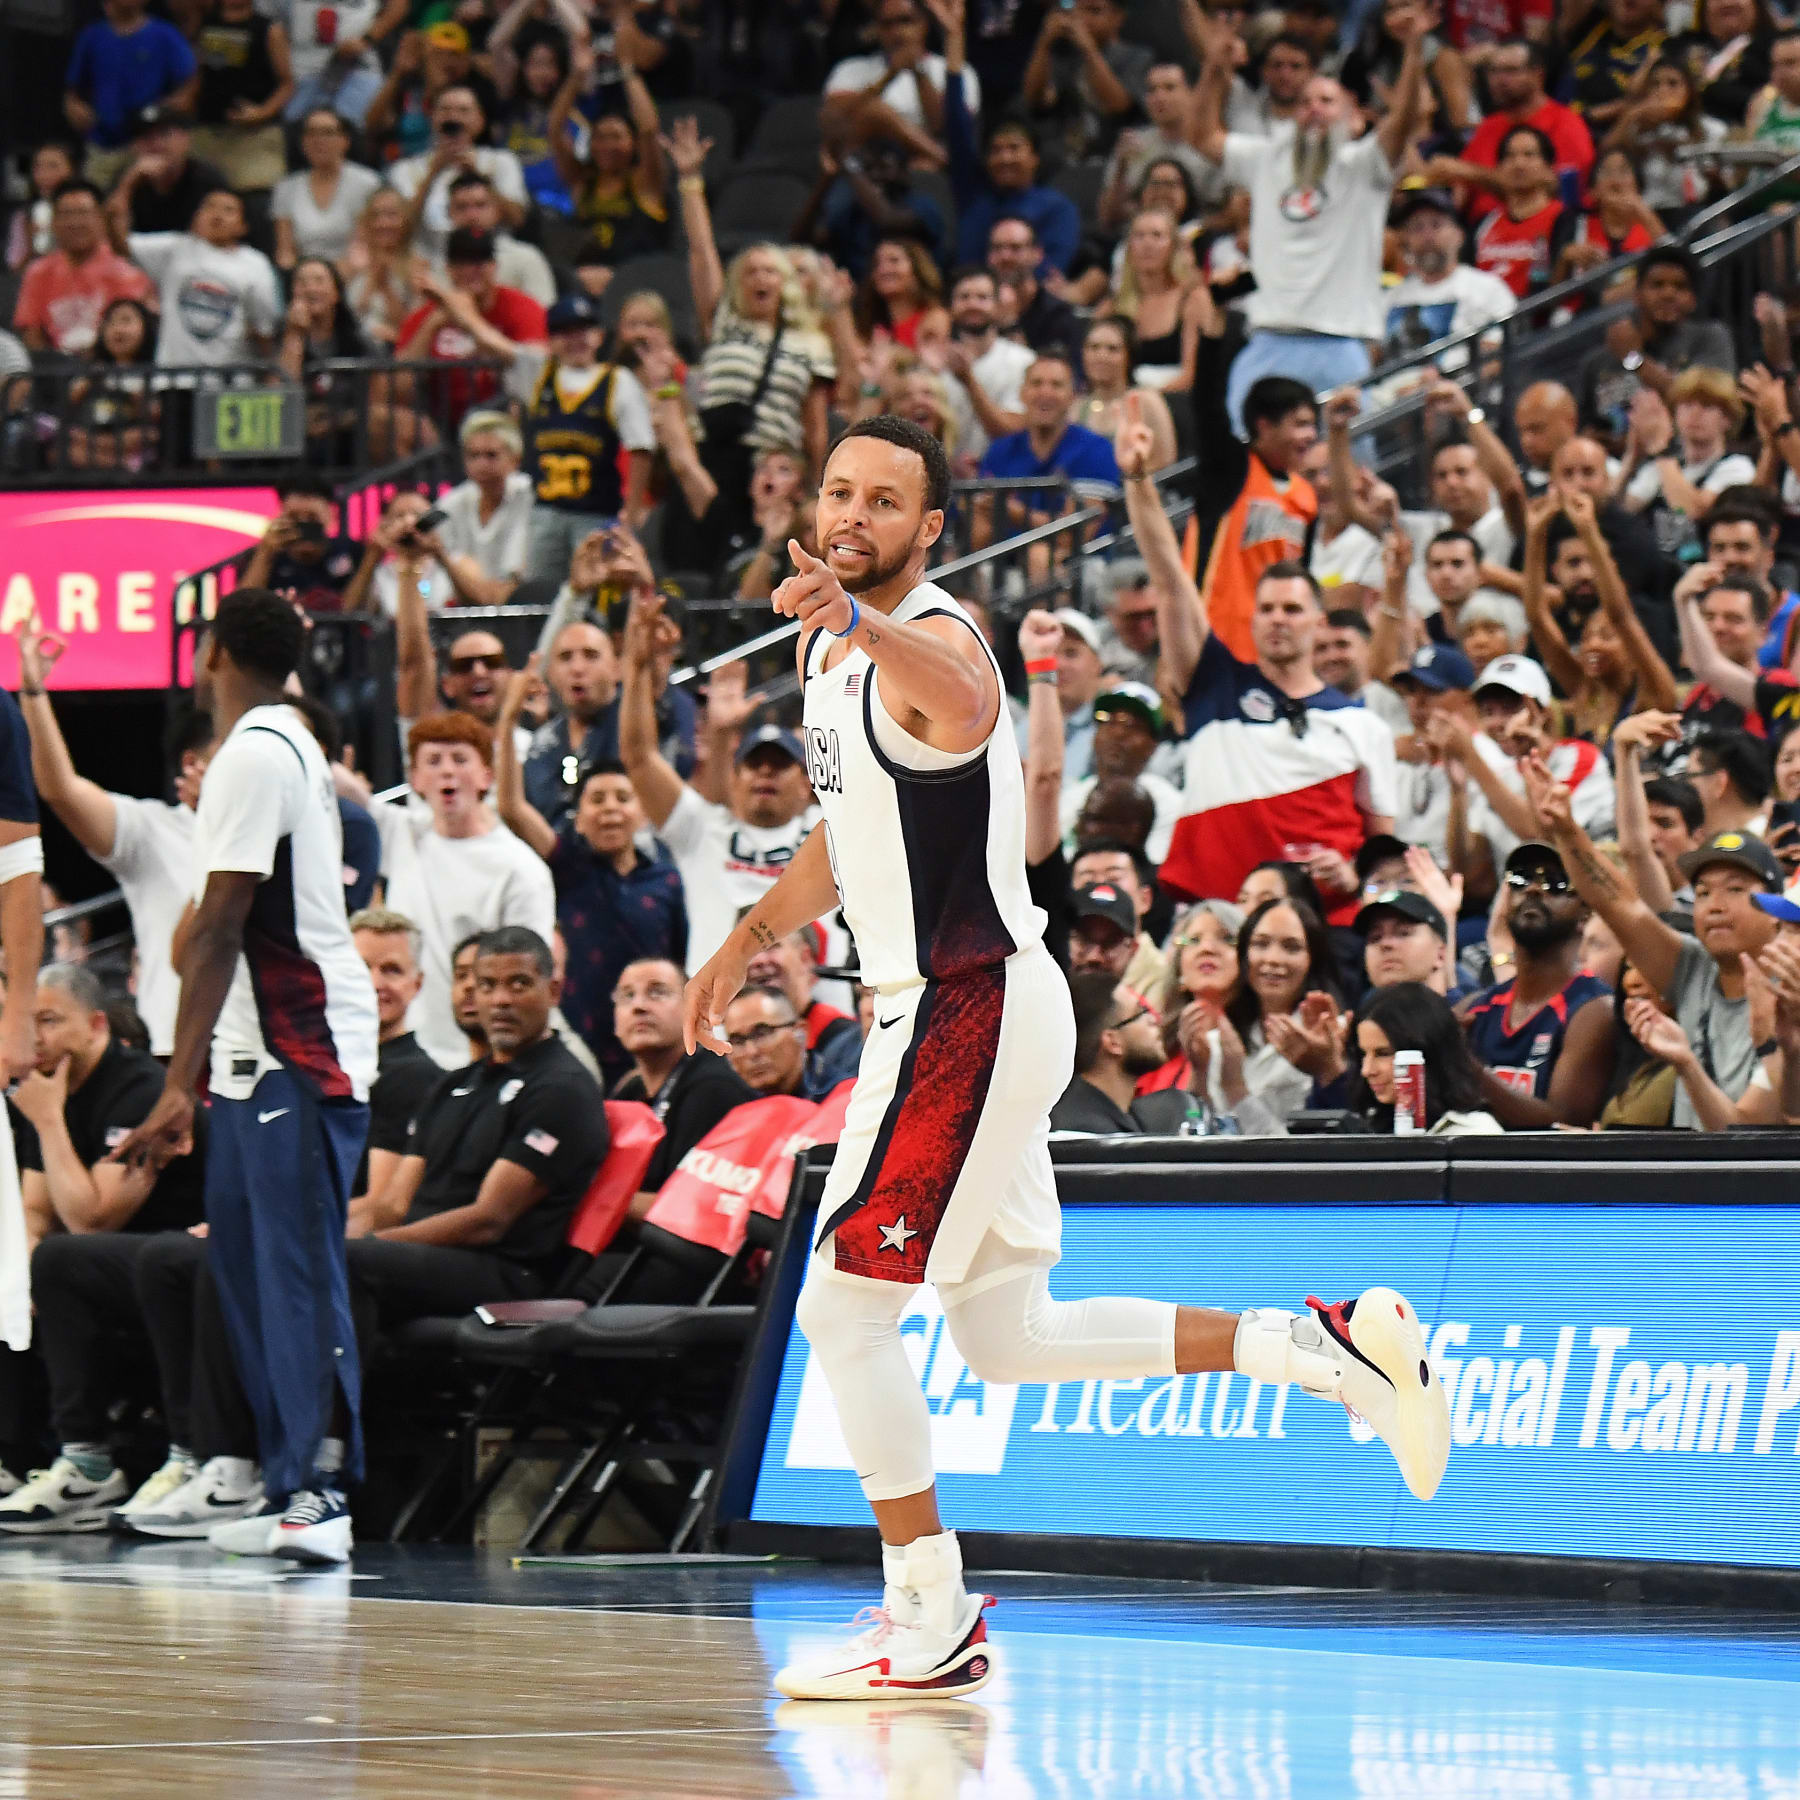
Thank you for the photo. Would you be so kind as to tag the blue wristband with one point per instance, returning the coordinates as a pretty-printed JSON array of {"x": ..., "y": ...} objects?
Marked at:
[{"x": 855, "y": 620}]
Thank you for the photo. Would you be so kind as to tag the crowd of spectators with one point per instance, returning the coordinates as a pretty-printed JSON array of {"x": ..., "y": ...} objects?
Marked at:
[{"x": 1506, "y": 778}]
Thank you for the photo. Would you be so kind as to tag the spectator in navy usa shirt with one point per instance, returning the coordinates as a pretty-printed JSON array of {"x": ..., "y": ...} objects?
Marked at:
[{"x": 615, "y": 905}]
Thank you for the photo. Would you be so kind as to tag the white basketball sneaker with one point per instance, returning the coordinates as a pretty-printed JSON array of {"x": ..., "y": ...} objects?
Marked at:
[
  {"x": 175, "y": 1473},
  {"x": 315, "y": 1528},
  {"x": 1368, "y": 1353},
  {"x": 224, "y": 1488},
  {"x": 60, "y": 1498},
  {"x": 927, "y": 1641}
]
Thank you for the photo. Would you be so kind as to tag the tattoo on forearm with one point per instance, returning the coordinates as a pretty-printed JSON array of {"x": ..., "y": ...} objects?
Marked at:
[
  {"x": 764, "y": 937},
  {"x": 872, "y": 635},
  {"x": 1597, "y": 872}
]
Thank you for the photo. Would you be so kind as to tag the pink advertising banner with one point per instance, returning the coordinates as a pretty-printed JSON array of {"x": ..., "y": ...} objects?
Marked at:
[{"x": 99, "y": 567}]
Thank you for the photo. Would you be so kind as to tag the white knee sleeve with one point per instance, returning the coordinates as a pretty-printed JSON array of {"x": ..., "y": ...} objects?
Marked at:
[
  {"x": 1014, "y": 1332},
  {"x": 853, "y": 1326}
]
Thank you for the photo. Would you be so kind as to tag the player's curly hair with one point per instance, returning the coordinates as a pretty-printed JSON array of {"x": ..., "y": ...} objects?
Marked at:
[
  {"x": 261, "y": 633},
  {"x": 890, "y": 428}
]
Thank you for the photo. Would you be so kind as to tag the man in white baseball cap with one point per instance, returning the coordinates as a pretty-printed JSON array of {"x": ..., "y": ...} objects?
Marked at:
[{"x": 1512, "y": 701}]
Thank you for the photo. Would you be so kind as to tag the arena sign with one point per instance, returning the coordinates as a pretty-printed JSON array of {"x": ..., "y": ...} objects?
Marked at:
[
  {"x": 99, "y": 568},
  {"x": 1634, "y": 1394}
]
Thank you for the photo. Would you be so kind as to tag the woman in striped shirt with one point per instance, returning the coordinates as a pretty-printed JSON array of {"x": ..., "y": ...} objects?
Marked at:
[{"x": 767, "y": 368}]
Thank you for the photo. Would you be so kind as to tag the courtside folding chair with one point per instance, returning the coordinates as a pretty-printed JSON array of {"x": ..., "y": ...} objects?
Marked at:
[
  {"x": 437, "y": 1342},
  {"x": 674, "y": 1367}
]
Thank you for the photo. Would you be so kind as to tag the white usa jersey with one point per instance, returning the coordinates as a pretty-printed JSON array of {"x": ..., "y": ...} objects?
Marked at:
[
  {"x": 301, "y": 998},
  {"x": 927, "y": 846}
]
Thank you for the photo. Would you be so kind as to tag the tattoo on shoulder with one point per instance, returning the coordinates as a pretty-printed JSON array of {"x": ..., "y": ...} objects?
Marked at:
[{"x": 762, "y": 934}]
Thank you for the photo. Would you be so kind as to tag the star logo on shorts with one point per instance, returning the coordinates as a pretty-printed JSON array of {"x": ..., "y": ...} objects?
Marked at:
[{"x": 894, "y": 1236}]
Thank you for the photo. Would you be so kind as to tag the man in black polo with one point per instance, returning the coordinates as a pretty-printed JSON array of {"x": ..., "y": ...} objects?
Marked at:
[
  {"x": 90, "y": 1220},
  {"x": 690, "y": 1093},
  {"x": 497, "y": 1160},
  {"x": 406, "y": 1076}
]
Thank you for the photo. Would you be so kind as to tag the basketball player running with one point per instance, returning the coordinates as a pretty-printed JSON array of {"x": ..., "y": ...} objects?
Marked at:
[{"x": 943, "y": 1170}]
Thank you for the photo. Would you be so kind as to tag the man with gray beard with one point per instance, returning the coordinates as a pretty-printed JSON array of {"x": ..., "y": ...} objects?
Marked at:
[{"x": 1318, "y": 204}]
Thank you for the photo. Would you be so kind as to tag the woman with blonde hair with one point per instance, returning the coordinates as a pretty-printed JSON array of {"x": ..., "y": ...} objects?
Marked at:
[
  {"x": 1160, "y": 291},
  {"x": 645, "y": 322},
  {"x": 901, "y": 288},
  {"x": 381, "y": 269},
  {"x": 1204, "y": 1032},
  {"x": 1678, "y": 455},
  {"x": 767, "y": 368},
  {"x": 1203, "y": 976}
]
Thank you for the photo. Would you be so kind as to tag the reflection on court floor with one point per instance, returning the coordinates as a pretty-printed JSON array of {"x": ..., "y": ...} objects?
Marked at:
[{"x": 160, "y": 1670}]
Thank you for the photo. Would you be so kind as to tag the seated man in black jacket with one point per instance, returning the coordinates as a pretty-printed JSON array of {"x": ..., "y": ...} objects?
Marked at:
[
  {"x": 690, "y": 1094},
  {"x": 91, "y": 1221},
  {"x": 498, "y": 1159},
  {"x": 1118, "y": 1038}
]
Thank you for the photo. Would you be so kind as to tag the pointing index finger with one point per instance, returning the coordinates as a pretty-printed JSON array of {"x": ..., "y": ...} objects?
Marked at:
[{"x": 801, "y": 559}]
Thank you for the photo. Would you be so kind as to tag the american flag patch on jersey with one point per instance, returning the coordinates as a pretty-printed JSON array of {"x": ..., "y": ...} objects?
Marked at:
[
  {"x": 540, "y": 1141},
  {"x": 853, "y": 683}
]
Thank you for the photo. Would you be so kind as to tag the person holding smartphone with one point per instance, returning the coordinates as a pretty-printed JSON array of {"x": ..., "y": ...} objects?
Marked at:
[{"x": 302, "y": 552}]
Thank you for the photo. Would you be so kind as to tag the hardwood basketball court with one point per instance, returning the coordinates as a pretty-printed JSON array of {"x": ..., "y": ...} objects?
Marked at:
[{"x": 161, "y": 1670}]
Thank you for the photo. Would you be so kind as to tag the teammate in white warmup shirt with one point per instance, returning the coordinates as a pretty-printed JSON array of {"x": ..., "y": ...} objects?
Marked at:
[{"x": 943, "y": 1171}]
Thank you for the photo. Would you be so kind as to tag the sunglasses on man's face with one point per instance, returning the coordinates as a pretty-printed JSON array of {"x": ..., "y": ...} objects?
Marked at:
[
  {"x": 1522, "y": 882},
  {"x": 467, "y": 665}
]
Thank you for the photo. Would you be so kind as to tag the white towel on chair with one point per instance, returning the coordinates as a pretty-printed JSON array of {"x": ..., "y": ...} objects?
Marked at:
[{"x": 15, "y": 1265}]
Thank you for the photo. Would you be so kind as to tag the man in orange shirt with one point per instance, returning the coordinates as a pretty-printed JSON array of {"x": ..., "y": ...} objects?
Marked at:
[
  {"x": 65, "y": 294},
  {"x": 1263, "y": 507}
]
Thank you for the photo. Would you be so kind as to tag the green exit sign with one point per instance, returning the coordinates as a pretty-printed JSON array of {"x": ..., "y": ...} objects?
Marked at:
[{"x": 262, "y": 424}]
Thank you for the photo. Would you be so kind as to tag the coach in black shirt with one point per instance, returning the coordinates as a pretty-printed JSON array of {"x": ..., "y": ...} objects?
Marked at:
[
  {"x": 92, "y": 1220},
  {"x": 88, "y": 1092},
  {"x": 496, "y": 1162},
  {"x": 690, "y": 1094}
]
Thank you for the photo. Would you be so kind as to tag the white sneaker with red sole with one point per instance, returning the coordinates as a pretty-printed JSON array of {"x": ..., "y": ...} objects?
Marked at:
[
  {"x": 889, "y": 1659},
  {"x": 1368, "y": 1353}
]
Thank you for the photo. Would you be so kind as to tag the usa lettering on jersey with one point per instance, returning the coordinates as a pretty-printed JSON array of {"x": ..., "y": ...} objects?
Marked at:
[{"x": 824, "y": 760}]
